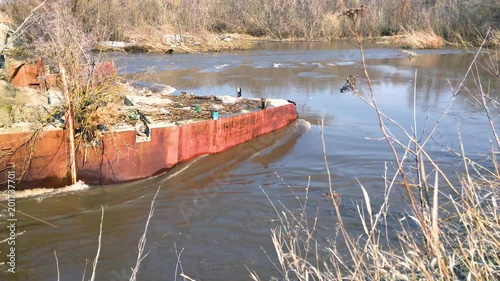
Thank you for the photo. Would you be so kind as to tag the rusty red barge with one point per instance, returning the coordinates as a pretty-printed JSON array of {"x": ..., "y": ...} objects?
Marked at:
[{"x": 42, "y": 159}]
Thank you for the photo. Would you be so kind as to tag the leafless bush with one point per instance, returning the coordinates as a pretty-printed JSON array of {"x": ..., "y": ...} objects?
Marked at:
[
  {"x": 309, "y": 19},
  {"x": 59, "y": 38},
  {"x": 331, "y": 26}
]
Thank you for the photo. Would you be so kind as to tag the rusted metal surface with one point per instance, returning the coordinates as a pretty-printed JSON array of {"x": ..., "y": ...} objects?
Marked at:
[
  {"x": 31, "y": 75},
  {"x": 24, "y": 75},
  {"x": 38, "y": 161},
  {"x": 34, "y": 75},
  {"x": 120, "y": 158}
]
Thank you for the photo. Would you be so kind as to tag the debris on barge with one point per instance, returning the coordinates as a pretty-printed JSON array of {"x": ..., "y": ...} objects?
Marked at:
[{"x": 155, "y": 130}]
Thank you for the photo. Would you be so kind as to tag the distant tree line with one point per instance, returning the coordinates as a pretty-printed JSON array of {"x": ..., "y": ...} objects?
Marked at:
[{"x": 307, "y": 19}]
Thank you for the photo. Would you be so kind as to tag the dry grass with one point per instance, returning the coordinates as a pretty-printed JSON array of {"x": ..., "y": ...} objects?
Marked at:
[
  {"x": 418, "y": 40},
  {"x": 227, "y": 42},
  {"x": 5, "y": 18},
  {"x": 95, "y": 107},
  {"x": 168, "y": 40},
  {"x": 494, "y": 39},
  {"x": 150, "y": 39}
]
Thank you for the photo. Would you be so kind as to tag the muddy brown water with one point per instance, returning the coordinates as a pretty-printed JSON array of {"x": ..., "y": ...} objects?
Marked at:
[{"x": 213, "y": 210}]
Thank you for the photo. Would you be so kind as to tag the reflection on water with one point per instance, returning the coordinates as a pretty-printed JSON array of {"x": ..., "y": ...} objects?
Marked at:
[{"x": 213, "y": 207}]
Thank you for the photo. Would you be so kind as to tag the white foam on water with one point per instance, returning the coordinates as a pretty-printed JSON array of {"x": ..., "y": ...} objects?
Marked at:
[
  {"x": 39, "y": 192},
  {"x": 221, "y": 66},
  {"x": 304, "y": 124},
  {"x": 42, "y": 193},
  {"x": 343, "y": 63}
]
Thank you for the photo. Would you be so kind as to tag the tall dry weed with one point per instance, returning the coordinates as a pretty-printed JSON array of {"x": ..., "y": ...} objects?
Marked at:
[
  {"x": 411, "y": 39},
  {"x": 451, "y": 228},
  {"x": 494, "y": 39},
  {"x": 150, "y": 38}
]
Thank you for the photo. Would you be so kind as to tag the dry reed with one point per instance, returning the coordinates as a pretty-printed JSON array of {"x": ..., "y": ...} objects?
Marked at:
[
  {"x": 418, "y": 40},
  {"x": 92, "y": 84},
  {"x": 96, "y": 259},
  {"x": 494, "y": 39},
  {"x": 142, "y": 241}
]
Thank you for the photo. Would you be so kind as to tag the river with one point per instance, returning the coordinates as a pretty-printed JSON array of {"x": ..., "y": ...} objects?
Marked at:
[{"x": 213, "y": 214}]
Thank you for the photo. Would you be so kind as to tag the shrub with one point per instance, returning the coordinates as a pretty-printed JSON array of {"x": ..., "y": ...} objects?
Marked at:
[
  {"x": 59, "y": 38},
  {"x": 331, "y": 26}
]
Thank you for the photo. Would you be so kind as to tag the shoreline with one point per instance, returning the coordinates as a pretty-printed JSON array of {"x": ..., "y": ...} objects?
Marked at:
[{"x": 235, "y": 41}]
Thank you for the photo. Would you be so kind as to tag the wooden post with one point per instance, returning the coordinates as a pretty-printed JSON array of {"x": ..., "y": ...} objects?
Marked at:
[{"x": 70, "y": 125}]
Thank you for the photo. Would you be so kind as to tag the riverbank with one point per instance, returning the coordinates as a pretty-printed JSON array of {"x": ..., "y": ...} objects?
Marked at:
[
  {"x": 213, "y": 42},
  {"x": 179, "y": 43}
]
